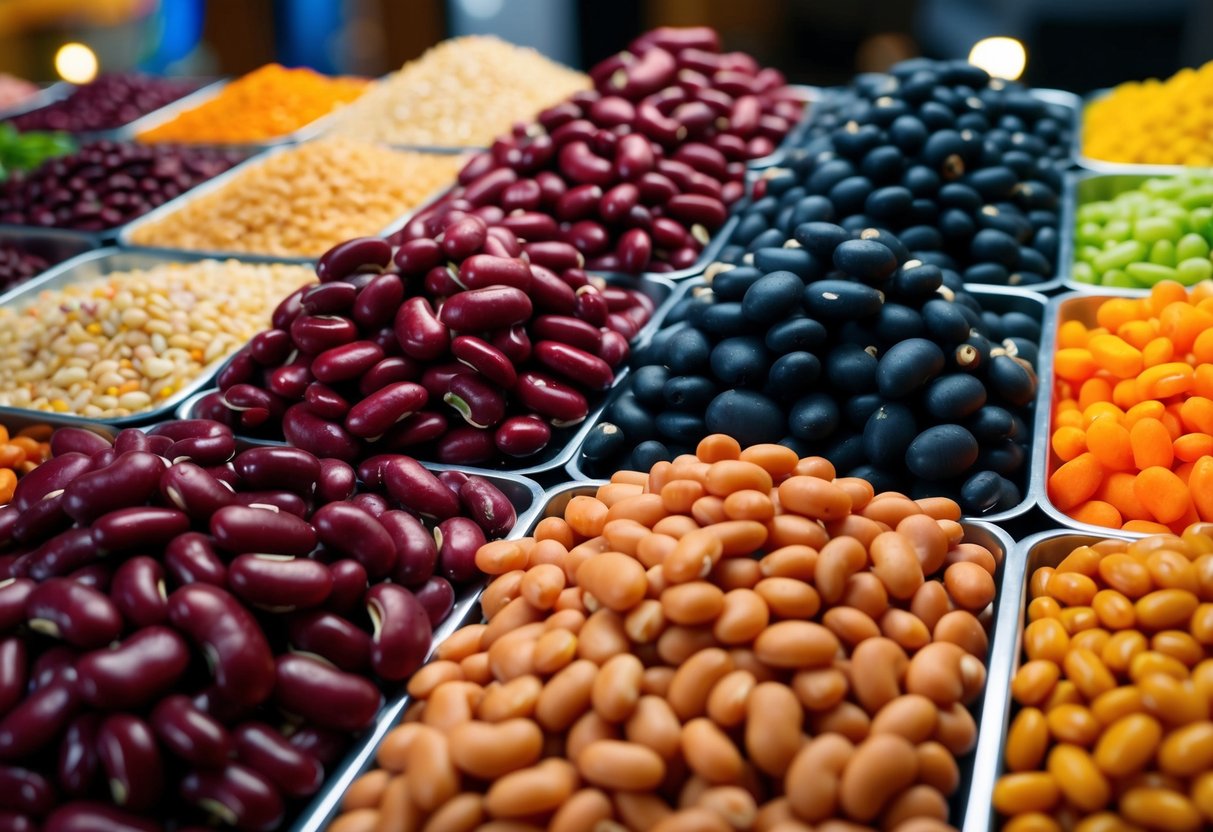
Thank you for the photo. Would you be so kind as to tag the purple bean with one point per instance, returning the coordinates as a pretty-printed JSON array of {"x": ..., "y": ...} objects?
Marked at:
[
  {"x": 377, "y": 413},
  {"x": 9, "y": 514},
  {"x": 346, "y": 362},
  {"x": 331, "y": 637},
  {"x": 418, "y": 256},
  {"x": 653, "y": 123},
  {"x": 458, "y": 539},
  {"x": 329, "y": 298},
  {"x": 492, "y": 307},
  {"x": 130, "y": 480},
  {"x": 348, "y": 530},
  {"x": 270, "y": 347},
  {"x": 588, "y": 237},
  {"x": 16, "y": 822},
  {"x": 37, "y": 719},
  {"x": 555, "y": 254},
  {"x": 402, "y": 634},
  {"x": 487, "y": 506},
  {"x": 313, "y": 334},
  {"x": 25, "y": 791},
  {"x": 437, "y": 598},
  {"x": 77, "y": 440},
  {"x": 325, "y": 745},
  {"x": 321, "y": 437},
  {"x": 63, "y": 553},
  {"x": 324, "y": 695},
  {"x": 51, "y": 476},
  {"x": 440, "y": 282},
  {"x": 127, "y": 750},
  {"x": 479, "y": 403},
  {"x": 464, "y": 237},
  {"x": 241, "y": 661},
  {"x": 236, "y": 795},
  {"x": 135, "y": 672},
  {"x": 137, "y": 589},
  {"x": 278, "y": 468},
  {"x": 238, "y": 529},
  {"x": 421, "y": 334},
  {"x": 574, "y": 364},
  {"x": 42, "y": 520},
  {"x": 558, "y": 114},
  {"x": 521, "y": 436},
  {"x": 437, "y": 378},
  {"x": 635, "y": 250},
  {"x": 378, "y": 300},
  {"x": 488, "y": 188},
  {"x": 141, "y": 527},
  {"x": 615, "y": 348},
  {"x": 14, "y": 672},
  {"x": 416, "y": 552},
  {"x": 279, "y": 583},
  {"x": 393, "y": 368},
  {"x": 88, "y": 816},
  {"x": 483, "y": 270},
  {"x": 192, "y": 489},
  {"x": 267, "y": 752},
  {"x": 453, "y": 480},
  {"x": 349, "y": 582},
  {"x": 417, "y": 429},
  {"x": 523, "y": 195},
  {"x": 239, "y": 369},
  {"x": 285, "y": 501},
  {"x": 56, "y": 664},
  {"x": 486, "y": 359},
  {"x": 95, "y": 575},
  {"x": 579, "y": 163},
  {"x": 337, "y": 481},
  {"x": 505, "y": 242},
  {"x": 591, "y": 307},
  {"x": 80, "y": 615},
  {"x": 130, "y": 439},
  {"x": 76, "y": 767},
  {"x": 536, "y": 227},
  {"x": 325, "y": 402},
  {"x": 551, "y": 294},
  {"x": 158, "y": 445},
  {"x": 289, "y": 381},
  {"x": 345, "y": 259},
  {"x": 190, "y": 733},
  {"x": 567, "y": 330},
  {"x": 370, "y": 470},
  {"x": 551, "y": 399},
  {"x": 411, "y": 485}
]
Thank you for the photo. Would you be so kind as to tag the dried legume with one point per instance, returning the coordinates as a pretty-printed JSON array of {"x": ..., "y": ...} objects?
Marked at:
[
  {"x": 18, "y": 265},
  {"x": 678, "y": 697},
  {"x": 110, "y": 101},
  {"x": 304, "y": 200},
  {"x": 20, "y": 453},
  {"x": 464, "y": 92},
  {"x": 123, "y": 343}
]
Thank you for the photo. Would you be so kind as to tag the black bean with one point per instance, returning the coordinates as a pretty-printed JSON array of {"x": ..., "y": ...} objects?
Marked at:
[
  {"x": 749, "y": 226},
  {"x": 605, "y": 441},
  {"x": 941, "y": 452},
  {"x": 880, "y": 479},
  {"x": 988, "y": 273},
  {"x": 1026, "y": 349},
  {"x": 837, "y": 300},
  {"x": 733, "y": 283},
  {"x": 981, "y": 492},
  {"x": 688, "y": 352},
  {"x": 887, "y": 434},
  {"x": 633, "y": 419},
  {"x": 794, "y": 260},
  {"x": 815, "y": 416},
  {"x": 1031, "y": 260},
  {"x": 826, "y": 176},
  {"x": 798, "y": 333},
  {"x": 768, "y": 299},
  {"x": 945, "y": 321},
  {"x": 768, "y": 238},
  {"x": 850, "y": 194},
  {"x": 897, "y": 323},
  {"x": 1011, "y": 379},
  {"x": 647, "y": 454},
  {"x": 909, "y": 134},
  {"x": 919, "y": 237},
  {"x": 1046, "y": 241},
  {"x": 647, "y": 384},
  {"x": 962, "y": 196},
  {"x": 854, "y": 144},
  {"x": 888, "y": 203},
  {"x": 749, "y": 417},
  {"x": 954, "y": 396},
  {"x": 846, "y": 452},
  {"x": 821, "y": 238},
  {"x": 690, "y": 393},
  {"x": 851, "y": 369},
  {"x": 955, "y": 224},
  {"x": 888, "y": 240},
  {"x": 1008, "y": 220},
  {"x": 1006, "y": 457},
  {"x": 792, "y": 375},
  {"x": 991, "y": 424},
  {"x": 723, "y": 319},
  {"x": 814, "y": 208},
  {"x": 907, "y": 366},
  {"x": 1009, "y": 497},
  {"x": 883, "y": 164},
  {"x": 741, "y": 360},
  {"x": 921, "y": 181},
  {"x": 680, "y": 427},
  {"x": 1020, "y": 324},
  {"x": 993, "y": 183},
  {"x": 868, "y": 260}
]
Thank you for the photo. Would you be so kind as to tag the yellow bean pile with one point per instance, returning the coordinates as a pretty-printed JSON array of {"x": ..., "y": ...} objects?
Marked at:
[
  {"x": 120, "y": 344},
  {"x": 1154, "y": 122}
]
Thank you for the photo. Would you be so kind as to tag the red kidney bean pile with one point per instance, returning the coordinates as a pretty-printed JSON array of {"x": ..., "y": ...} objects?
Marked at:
[
  {"x": 106, "y": 184},
  {"x": 109, "y": 102},
  {"x": 467, "y": 349},
  {"x": 640, "y": 171},
  {"x": 18, "y": 265},
  {"x": 187, "y": 632}
]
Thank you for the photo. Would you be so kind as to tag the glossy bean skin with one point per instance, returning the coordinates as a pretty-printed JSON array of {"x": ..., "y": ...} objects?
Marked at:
[
  {"x": 34, "y": 721},
  {"x": 239, "y": 529},
  {"x": 191, "y": 489},
  {"x": 402, "y": 631},
  {"x": 78, "y": 614},
  {"x": 131, "y": 674},
  {"x": 273, "y": 468},
  {"x": 324, "y": 695},
  {"x": 267, "y": 752},
  {"x": 127, "y": 751},
  {"x": 247, "y": 799},
  {"x": 14, "y": 671},
  {"x": 415, "y": 549},
  {"x": 458, "y": 539},
  {"x": 278, "y": 582},
  {"x": 243, "y": 666},
  {"x": 347, "y": 529},
  {"x": 416, "y": 488},
  {"x": 82, "y": 815}
]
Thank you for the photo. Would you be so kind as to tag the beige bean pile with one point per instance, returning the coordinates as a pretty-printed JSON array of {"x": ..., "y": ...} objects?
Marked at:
[
  {"x": 463, "y": 92},
  {"x": 305, "y": 200},
  {"x": 735, "y": 640},
  {"x": 123, "y": 343}
]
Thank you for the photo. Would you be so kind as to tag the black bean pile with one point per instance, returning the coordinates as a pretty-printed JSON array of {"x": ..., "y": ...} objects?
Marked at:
[
  {"x": 964, "y": 168},
  {"x": 839, "y": 345}
]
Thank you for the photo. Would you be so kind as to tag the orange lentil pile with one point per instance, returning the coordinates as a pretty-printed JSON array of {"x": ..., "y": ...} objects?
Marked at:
[
  {"x": 265, "y": 104},
  {"x": 1115, "y": 692},
  {"x": 1132, "y": 440},
  {"x": 21, "y": 453}
]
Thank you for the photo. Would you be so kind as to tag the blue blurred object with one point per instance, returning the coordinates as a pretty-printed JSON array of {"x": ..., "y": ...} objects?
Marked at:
[
  {"x": 177, "y": 28},
  {"x": 307, "y": 33},
  {"x": 549, "y": 26}
]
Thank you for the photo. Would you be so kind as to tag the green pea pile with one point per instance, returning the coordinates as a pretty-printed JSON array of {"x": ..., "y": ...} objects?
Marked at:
[{"x": 26, "y": 151}]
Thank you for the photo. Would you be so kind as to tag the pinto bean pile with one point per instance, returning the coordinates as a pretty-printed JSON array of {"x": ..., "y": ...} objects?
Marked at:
[
  {"x": 735, "y": 640},
  {"x": 187, "y": 634}
]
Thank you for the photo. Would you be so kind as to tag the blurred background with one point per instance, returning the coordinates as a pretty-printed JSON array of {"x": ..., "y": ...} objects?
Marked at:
[{"x": 1073, "y": 44}]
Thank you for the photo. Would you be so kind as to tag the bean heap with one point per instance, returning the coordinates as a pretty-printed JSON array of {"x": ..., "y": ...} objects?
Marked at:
[
  {"x": 640, "y": 171},
  {"x": 458, "y": 349},
  {"x": 26, "y": 151},
  {"x": 838, "y": 345},
  {"x": 21, "y": 453},
  {"x": 964, "y": 168},
  {"x": 1153, "y": 122},
  {"x": 106, "y": 184},
  {"x": 111, "y": 101},
  {"x": 168, "y": 617},
  {"x": 736, "y": 640},
  {"x": 461, "y": 93},
  {"x": 303, "y": 201},
  {"x": 124, "y": 343},
  {"x": 1159, "y": 231},
  {"x": 15, "y": 91},
  {"x": 18, "y": 265},
  {"x": 268, "y": 103},
  {"x": 1115, "y": 691},
  {"x": 1133, "y": 412}
]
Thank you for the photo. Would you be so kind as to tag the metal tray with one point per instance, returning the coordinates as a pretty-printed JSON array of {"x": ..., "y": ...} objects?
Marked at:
[
  {"x": 15, "y": 420},
  {"x": 565, "y": 441},
  {"x": 327, "y": 805},
  {"x": 49, "y": 94},
  {"x": 51, "y": 244},
  {"x": 95, "y": 264},
  {"x": 996, "y": 299},
  {"x": 1043, "y": 549},
  {"x": 810, "y": 95}
]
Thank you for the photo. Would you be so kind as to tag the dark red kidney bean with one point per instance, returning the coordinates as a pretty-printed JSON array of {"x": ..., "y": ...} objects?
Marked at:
[
  {"x": 279, "y": 583},
  {"x": 731, "y": 192},
  {"x": 523, "y": 195},
  {"x": 393, "y": 368},
  {"x": 417, "y": 429},
  {"x": 378, "y": 300},
  {"x": 158, "y": 445},
  {"x": 576, "y": 203},
  {"x": 346, "y": 362},
  {"x": 759, "y": 146},
  {"x": 241, "y": 660},
  {"x": 619, "y": 299},
  {"x": 95, "y": 575},
  {"x": 331, "y": 637},
  {"x": 378, "y": 412},
  {"x": 654, "y": 124},
  {"x": 704, "y": 185},
  {"x": 479, "y": 403},
  {"x": 267, "y": 752},
  {"x": 626, "y": 325},
  {"x": 324, "y": 695},
  {"x": 453, "y": 480},
  {"x": 284, "y": 501},
  {"x": 416, "y": 552},
  {"x": 681, "y": 39},
  {"x": 693, "y": 81},
  {"x": 507, "y": 241},
  {"x": 579, "y": 163},
  {"x": 127, "y": 750},
  {"x": 44, "y": 519},
  {"x": 129, "y": 675},
  {"x": 683, "y": 258},
  {"x": 440, "y": 282},
  {"x": 421, "y": 334},
  {"x": 239, "y": 369},
  {"x": 325, "y": 745},
  {"x": 63, "y": 553},
  {"x": 215, "y": 450},
  {"x": 352, "y": 256},
  {"x": 89, "y": 816},
  {"x": 130, "y": 480},
  {"x": 402, "y": 631},
  {"x": 418, "y": 256},
  {"x": 371, "y": 469},
  {"x": 590, "y": 306},
  {"x": 25, "y": 791},
  {"x": 55, "y": 664},
  {"x": 437, "y": 598},
  {"x": 192, "y": 489},
  {"x": 17, "y": 822},
  {"x": 733, "y": 147},
  {"x": 190, "y": 733},
  {"x": 612, "y": 111},
  {"x": 551, "y": 399},
  {"x": 743, "y": 119},
  {"x": 602, "y": 71},
  {"x": 290, "y": 381},
  {"x": 77, "y": 440},
  {"x": 514, "y": 343},
  {"x": 577, "y": 130},
  {"x": 130, "y": 439},
  {"x": 486, "y": 359},
  {"x": 458, "y": 539},
  {"x": 521, "y": 436},
  {"x": 239, "y": 529},
  {"x": 13, "y": 595},
  {"x": 618, "y": 201},
  {"x": 464, "y": 237},
  {"x": 476, "y": 167},
  {"x": 633, "y": 157},
  {"x": 76, "y": 766},
  {"x": 550, "y": 293},
  {"x": 532, "y": 226},
  {"x": 772, "y": 128},
  {"x": 638, "y": 217},
  {"x": 349, "y": 581},
  {"x": 80, "y": 615},
  {"x": 236, "y": 795},
  {"x": 605, "y": 263},
  {"x": 615, "y": 348},
  {"x": 575, "y": 278},
  {"x": 337, "y": 481},
  {"x": 140, "y": 527},
  {"x": 577, "y": 365},
  {"x": 321, "y": 437},
  {"x": 270, "y": 347},
  {"x": 8, "y": 519},
  {"x": 567, "y": 330},
  {"x": 325, "y": 402},
  {"x": 414, "y": 487},
  {"x": 696, "y": 117},
  {"x": 654, "y": 69},
  {"x": 37, "y": 719},
  {"x": 554, "y": 254},
  {"x": 535, "y": 154},
  {"x": 350, "y": 531},
  {"x": 288, "y": 309},
  {"x": 588, "y": 237},
  {"x": 489, "y": 308},
  {"x": 314, "y": 334},
  {"x": 277, "y": 467},
  {"x": 137, "y": 589},
  {"x": 14, "y": 671},
  {"x": 189, "y": 429},
  {"x": 487, "y": 188},
  {"x": 482, "y": 270},
  {"x": 210, "y": 700},
  {"x": 487, "y": 506},
  {"x": 329, "y": 298},
  {"x": 53, "y": 475}
]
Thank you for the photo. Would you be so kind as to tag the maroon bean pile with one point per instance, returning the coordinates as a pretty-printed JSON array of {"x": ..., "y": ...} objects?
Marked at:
[
  {"x": 18, "y": 265},
  {"x": 106, "y": 184},
  {"x": 168, "y": 605},
  {"x": 637, "y": 173},
  {"x": 109, "y": 102},
  {"x": 467, "y": 349}
]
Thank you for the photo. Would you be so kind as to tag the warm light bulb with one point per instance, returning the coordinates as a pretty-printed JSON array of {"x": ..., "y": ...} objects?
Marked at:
[
  {"x": 76, "y": 63},
  {"x": 1001, "y": 57}
]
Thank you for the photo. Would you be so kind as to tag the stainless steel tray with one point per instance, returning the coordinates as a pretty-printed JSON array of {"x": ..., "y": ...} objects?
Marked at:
[
  {"x": 565, "y": 441},
  {"x": 95, "y": 264},
  {"x": 1043, "y": 549},
  {"x": 996, "y": 299},
  {"x": 51, "y": 244},
  {"x": 15, "y": 420},
  {"x": 47, "y": 95},
  {"x": 810, "y": 95}
]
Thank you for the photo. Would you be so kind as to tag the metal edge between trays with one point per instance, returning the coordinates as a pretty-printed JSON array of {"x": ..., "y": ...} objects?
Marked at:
[
  {"x": 326, "y": 804},
  {"x": 47, "y": 95},
  {"x": 810, "y": 95},
  {"x": 35, "y": 240}
]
